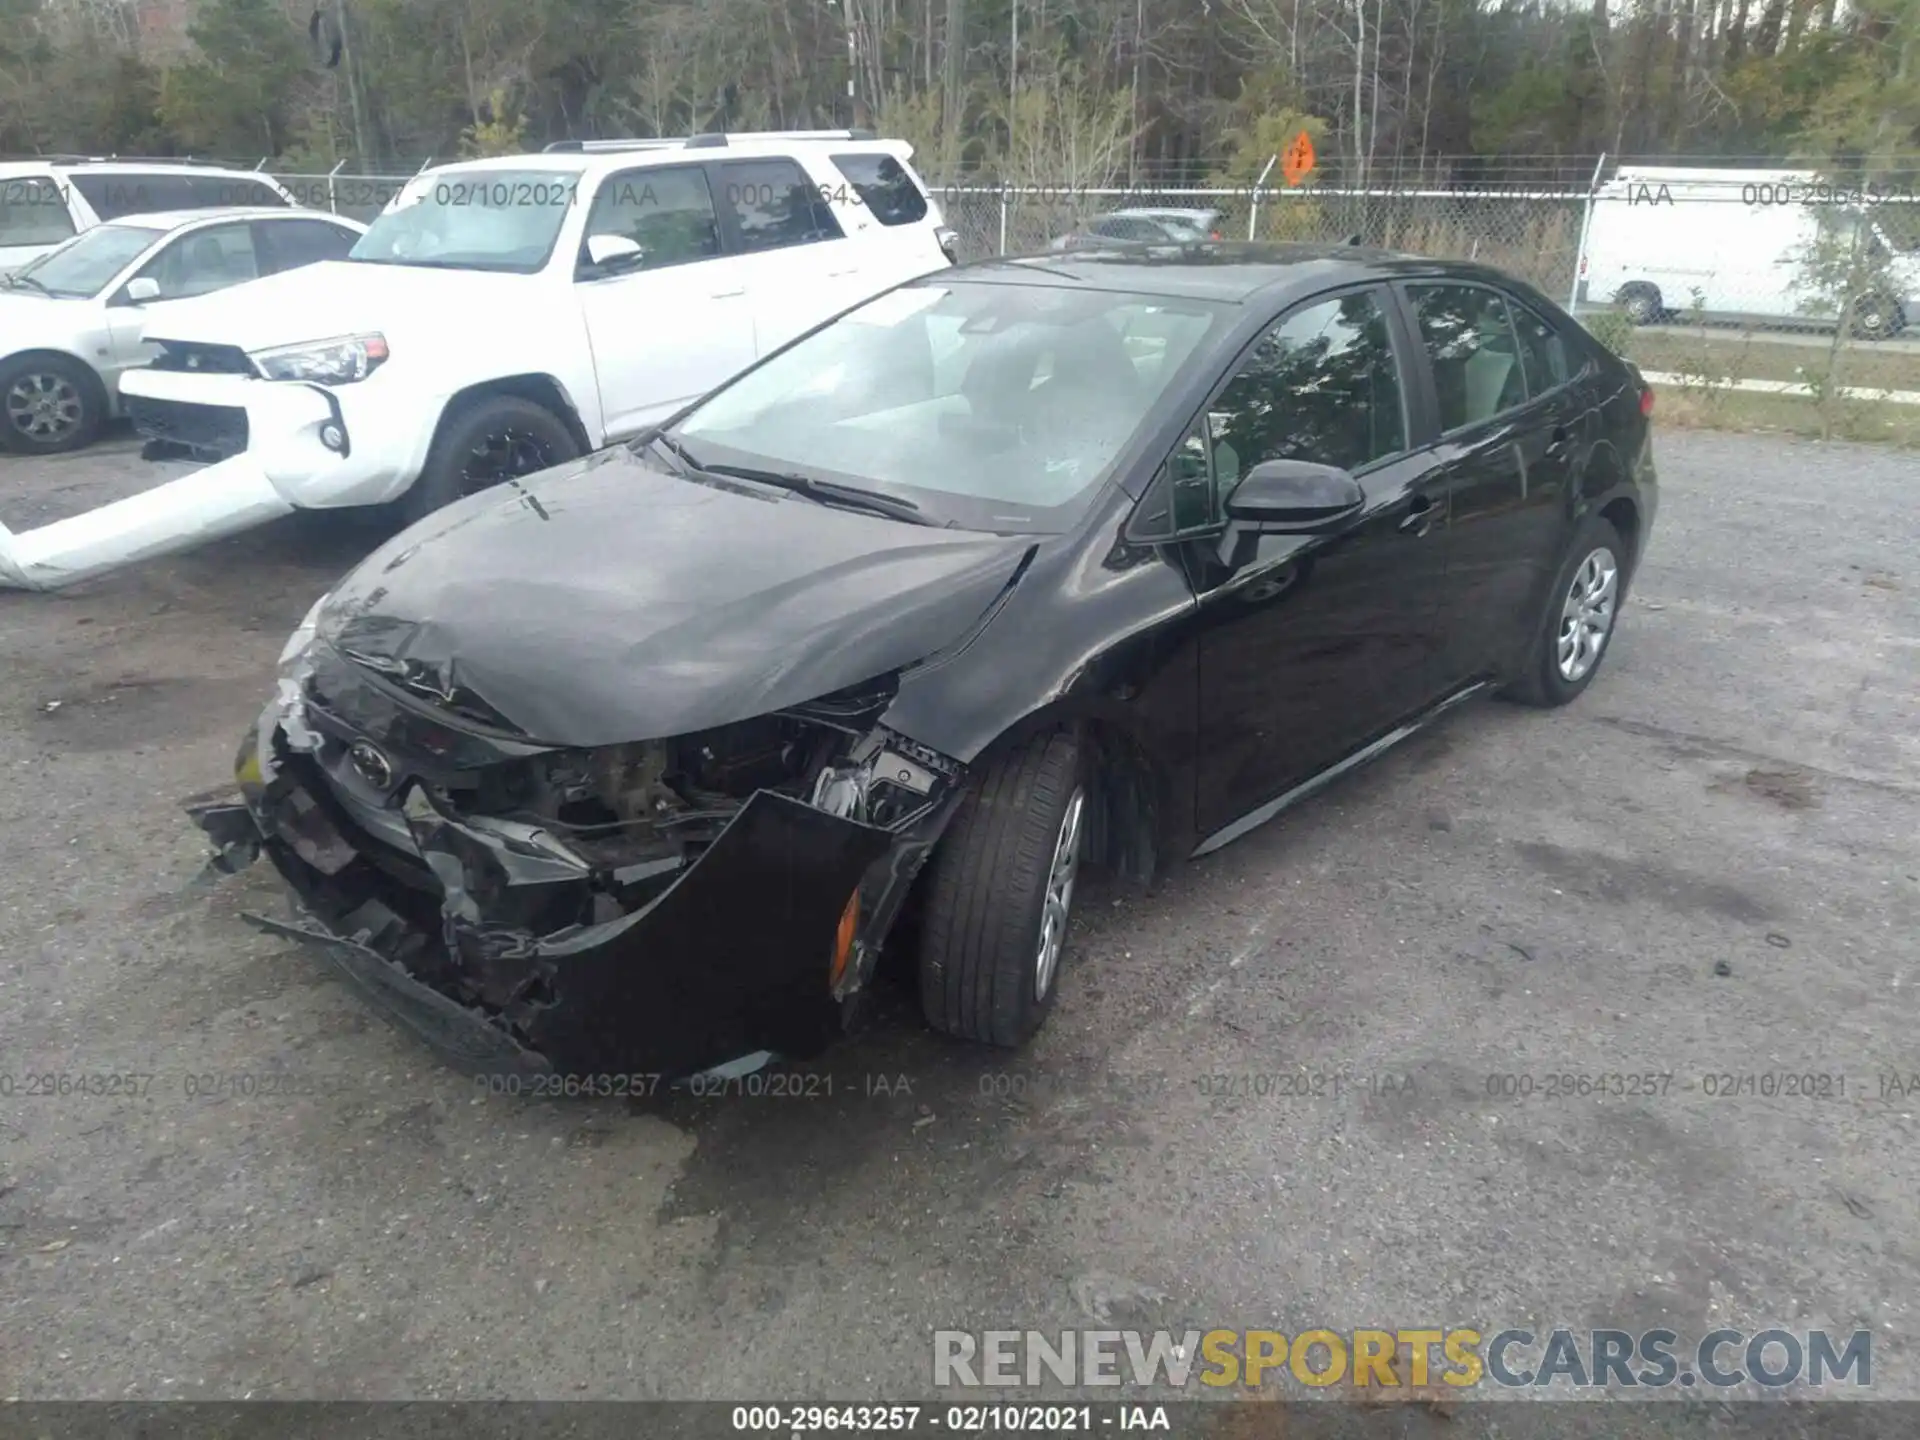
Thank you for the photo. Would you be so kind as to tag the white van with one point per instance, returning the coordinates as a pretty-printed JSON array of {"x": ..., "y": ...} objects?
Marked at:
[
  {"x": 46, "y": 202},
  {"x": 1734, "y": 245}
]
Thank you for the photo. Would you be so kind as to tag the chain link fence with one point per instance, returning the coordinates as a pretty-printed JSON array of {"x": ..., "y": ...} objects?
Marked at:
[{"x": 1737, "y": 293}]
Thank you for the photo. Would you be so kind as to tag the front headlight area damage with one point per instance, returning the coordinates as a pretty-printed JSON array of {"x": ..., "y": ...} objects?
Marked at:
[{"x": 660, "y": 907}]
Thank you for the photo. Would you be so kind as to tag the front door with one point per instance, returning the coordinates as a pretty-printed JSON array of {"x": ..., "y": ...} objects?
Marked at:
[
  {"x": 1312, "y": 645},
  {"x": 668, "y": 325}
]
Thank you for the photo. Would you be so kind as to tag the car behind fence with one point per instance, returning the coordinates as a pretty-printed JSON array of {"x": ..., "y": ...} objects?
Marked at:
[{"x": 1735, "y": 289}]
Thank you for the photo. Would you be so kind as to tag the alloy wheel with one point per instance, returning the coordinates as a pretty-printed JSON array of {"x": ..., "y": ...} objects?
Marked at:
[
  {"x": 1586, "y": 616},
  {"x": 1059, "y": 896},
  {"x": 44, "y": 408},
  {"x": 504, "y": 455}
]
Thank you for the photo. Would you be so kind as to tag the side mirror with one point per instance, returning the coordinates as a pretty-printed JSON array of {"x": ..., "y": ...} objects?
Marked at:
[
  {"x": 141, "y": 289},
  {"x": 614, "y": 252},
  {"x": 1294, "y": 496}
]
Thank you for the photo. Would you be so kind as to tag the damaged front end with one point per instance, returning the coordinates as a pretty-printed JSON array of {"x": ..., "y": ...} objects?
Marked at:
[{"x": 658, "y": 907}]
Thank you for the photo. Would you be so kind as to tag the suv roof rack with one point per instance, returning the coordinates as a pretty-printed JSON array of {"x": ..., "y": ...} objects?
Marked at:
[
  {"x": 144, "y": 160},
  {"x": 709, "y": 141}
]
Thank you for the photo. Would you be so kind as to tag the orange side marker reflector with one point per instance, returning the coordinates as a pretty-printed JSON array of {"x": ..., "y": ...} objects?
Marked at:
[{"x": 843, "y": 940}]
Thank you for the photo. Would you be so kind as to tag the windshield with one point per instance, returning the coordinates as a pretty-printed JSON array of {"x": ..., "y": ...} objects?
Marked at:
[
  {"x": 992, "y": 407},
  {"x": 473, "y": 220},
  {"x": 86, "y": 265}
]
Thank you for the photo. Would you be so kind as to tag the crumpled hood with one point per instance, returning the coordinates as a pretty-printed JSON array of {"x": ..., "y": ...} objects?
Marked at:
[
  {"x": 338, "y": 297},
  {"x": 607, "y": 601}
]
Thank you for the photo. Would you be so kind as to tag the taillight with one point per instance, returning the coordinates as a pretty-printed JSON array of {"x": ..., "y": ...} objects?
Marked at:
[
  {"x": 1646, "y": 400},
  {"x": 1213, "y": 235},
  {"x": 1583, "y": 267}
]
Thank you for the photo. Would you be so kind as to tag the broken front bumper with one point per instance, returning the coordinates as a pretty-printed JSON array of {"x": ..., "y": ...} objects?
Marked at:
[{"x": 735, "y": 956}]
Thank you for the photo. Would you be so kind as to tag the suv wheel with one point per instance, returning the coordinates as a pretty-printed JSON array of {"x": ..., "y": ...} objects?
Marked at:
[
  {"x": 49, "y": 404},
  {"x": 501, "y": 437},
  {"x": 1877, "y": 317}
]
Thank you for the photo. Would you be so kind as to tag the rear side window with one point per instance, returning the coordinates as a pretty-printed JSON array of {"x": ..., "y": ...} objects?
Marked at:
[
  {"x": 33, "y": 211},
  {"x": 146, "y": 192},
  {"x": 884, "y": 187},
  {"x": 290, "y": 244},
  {"x": 1476, "y": 357},
  {"x": 775, "y": 205},
  {"x": 1543, "y": 352}
]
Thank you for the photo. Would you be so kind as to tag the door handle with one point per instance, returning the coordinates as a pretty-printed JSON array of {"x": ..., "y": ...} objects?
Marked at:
[
  {"x": 1420, "y": 517},
  {"x": 729, "y": 294},
  {"x": 1559, "y": 442}
]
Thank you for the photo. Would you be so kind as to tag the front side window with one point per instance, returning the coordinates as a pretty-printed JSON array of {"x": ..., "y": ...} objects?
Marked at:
[
  {"x": 492, "y": 220},
  {"x": 33, "y": 211},
  {"x": 884, "y": 186},
  {"x": 775, "y": 204},
  {"x": 1477, "y": 370},
  {"x": 1323, "y": 385},
  {"x": 86, "y": 265},
  {"x": 204, "y": 261},
  {"x": 995, "y": 407},
  {"x": 667, "y": 212}
]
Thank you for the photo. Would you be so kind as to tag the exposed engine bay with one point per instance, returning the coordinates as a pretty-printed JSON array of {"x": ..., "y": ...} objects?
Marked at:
[{"x": 745, "y": 875}]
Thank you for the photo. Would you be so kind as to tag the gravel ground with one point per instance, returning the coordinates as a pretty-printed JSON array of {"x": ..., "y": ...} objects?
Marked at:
[{"x": 1707, "y": 866}]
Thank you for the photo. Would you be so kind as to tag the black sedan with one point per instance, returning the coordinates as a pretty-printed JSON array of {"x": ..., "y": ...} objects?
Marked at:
[{"x": 630, "y": 768}]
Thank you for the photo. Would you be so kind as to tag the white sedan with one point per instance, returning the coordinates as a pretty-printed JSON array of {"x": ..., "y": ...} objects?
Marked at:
[{"x": 71, "y": 322}]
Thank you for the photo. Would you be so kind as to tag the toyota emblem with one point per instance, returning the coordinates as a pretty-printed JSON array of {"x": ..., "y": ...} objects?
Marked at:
[{"x": 371, "y": 766}]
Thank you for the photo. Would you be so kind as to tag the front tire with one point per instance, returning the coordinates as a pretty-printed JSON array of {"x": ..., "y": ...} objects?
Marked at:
[
  {"x": 498, "y": 438},
  {"x": 49, "y": 404},
  {"x": 1001, "y": 894},
  {"x": 1583, "y": 609}
]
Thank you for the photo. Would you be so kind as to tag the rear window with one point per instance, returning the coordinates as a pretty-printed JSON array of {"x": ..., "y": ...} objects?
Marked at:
[
  {"x": 33, "y": 211},
  {"x": 137, "y": 192},
  {"x": 884, "y": 186}
]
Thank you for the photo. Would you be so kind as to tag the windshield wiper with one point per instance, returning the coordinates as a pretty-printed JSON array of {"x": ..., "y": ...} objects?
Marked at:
[
  {"x": 676, "y": 453},
  {"x": 14, "y": 282},
  {"x": 829, "y": 493}
]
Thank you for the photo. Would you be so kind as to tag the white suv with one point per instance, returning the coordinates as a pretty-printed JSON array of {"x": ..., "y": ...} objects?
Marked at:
[
  {"x": 502, "y": 316},
  {"x": 46, "y": 202}
]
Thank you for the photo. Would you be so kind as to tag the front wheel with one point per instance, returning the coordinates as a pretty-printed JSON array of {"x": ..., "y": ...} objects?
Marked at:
[
  {"x": 501, "y": 437},
  {"x": 1001, "y": 894},
  {"x": 49, "y": 404},
  {"x": 1582, "y": 609}
]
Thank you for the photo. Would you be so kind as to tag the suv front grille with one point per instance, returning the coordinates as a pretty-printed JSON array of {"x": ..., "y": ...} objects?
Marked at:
[
  {"x": 201, "y": 359},
  {"x": 202, "y": 432}
]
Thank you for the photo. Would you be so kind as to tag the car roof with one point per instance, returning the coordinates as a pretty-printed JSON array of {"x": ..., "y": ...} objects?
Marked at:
[
  {"x": 69, "y": 164},
  {"x": 1230, "y": 272},
  {"x": 179, "y": 219},
  {"x": 742, "y": 146}
]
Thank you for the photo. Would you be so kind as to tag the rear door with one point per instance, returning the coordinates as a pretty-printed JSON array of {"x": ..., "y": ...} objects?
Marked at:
[
  {"x": 794, "y": 264},
  {"x": 676, "y": 324},
  {"x": 1501, "y": 463},
  {"x": 33, "y": 218}
]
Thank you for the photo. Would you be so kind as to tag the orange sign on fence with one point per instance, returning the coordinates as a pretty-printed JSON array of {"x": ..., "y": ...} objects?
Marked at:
[{"x": 1297, "y": 163}]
